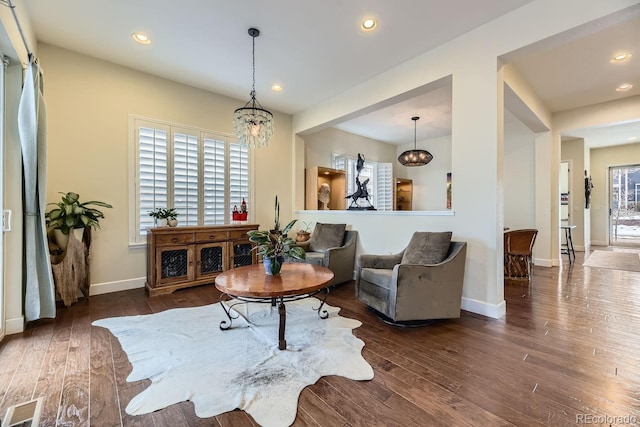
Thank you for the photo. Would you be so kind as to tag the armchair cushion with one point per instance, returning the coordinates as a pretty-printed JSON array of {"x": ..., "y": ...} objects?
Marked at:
[
  {"x": 382, "y": 277},
  {"x": 427, "y": 248},
  {"x": 316, "y": 258},
  {"x": 326, "y": 236}
]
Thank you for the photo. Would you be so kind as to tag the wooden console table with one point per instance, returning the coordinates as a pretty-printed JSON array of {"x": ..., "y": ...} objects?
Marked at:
[{"x": 181, "y": 257}]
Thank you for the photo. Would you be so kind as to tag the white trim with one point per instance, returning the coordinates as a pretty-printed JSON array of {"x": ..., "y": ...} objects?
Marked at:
[
  {"x": 485, "y": 309},
  {"x": 539, "y": 262},
  {"x": 391, "y": 213},
  {"x": 117, "y": 286},
  {"x": 14, "y": 326}
]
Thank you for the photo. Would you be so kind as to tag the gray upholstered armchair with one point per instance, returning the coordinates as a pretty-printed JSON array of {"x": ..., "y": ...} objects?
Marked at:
[
  {"x": 422, "y": 282},
  {"x": 331, "y": 246}
]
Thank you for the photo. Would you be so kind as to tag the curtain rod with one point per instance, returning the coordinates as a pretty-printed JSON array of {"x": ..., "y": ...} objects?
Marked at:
[{"x": 10, "y": 5}]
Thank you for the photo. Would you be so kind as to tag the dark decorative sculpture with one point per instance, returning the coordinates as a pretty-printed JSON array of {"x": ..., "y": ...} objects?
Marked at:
[
  {"x": 588, "y": 185},
  {"x": 361, "y": 191}
]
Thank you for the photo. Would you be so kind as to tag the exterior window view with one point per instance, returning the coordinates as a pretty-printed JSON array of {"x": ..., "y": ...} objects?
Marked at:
[{"x": 625, "y": 205}]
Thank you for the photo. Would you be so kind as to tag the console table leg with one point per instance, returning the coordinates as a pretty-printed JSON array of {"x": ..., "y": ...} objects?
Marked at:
[{"x": 282, "y": 343}]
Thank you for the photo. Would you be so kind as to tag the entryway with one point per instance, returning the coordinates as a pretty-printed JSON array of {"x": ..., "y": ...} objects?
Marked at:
[{"x": 624, "y": 205}]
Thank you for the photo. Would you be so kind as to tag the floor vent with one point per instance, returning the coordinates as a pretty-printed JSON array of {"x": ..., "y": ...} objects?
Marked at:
[{"x": 25, "y": 414}]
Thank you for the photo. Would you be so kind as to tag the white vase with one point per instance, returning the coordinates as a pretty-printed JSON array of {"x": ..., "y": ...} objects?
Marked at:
[
  {"x": 172, "y": 222},
  {"x": 60, "y": 238},
  {"x": 161, "y": 222}
]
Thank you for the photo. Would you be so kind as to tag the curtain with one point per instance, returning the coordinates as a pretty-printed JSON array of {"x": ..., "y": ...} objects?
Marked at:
[{"x": 39, "y": 294}]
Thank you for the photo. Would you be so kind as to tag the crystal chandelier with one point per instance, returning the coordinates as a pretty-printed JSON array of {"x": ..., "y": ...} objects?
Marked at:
[
  {"x": 415, "y": 157},
  {"x": 252, "y": 124}
]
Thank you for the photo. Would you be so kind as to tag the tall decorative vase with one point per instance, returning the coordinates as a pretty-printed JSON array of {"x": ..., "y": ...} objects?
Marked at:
[{"x": 272, "y": 266}]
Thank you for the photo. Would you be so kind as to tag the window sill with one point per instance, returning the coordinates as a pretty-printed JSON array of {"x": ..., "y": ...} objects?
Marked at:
[{"x": 389, "y": 213}]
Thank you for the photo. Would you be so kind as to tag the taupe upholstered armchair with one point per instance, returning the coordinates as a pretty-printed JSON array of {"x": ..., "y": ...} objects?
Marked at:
[
  {"x": 422, "y": 282},
  {"x": 334, "y": 247}
]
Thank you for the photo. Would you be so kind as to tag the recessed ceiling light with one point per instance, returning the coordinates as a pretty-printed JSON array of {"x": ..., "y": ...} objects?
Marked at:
[
  {"x": 621, "y": 57},
  {"x": 632, "y": 138},
  {"x": 141, "y": 38},
  {"x": 276, "y": 87},
  {"x": 624, "y": 87},
  {"x": 369, "y": 24}
]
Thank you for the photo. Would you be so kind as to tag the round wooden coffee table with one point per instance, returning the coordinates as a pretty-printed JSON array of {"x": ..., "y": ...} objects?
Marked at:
[{"x": 251, "y": 284}]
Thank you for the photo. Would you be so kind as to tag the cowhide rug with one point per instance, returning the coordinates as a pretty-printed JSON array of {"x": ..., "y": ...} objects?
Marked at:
[{"x": 187, "y": 357}]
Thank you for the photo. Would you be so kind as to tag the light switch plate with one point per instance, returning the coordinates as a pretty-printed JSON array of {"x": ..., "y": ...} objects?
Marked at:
[{"x": 6, "y": 220}]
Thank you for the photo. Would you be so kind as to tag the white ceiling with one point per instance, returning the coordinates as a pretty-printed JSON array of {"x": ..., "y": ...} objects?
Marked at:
[{"x": 316, "y": 50}]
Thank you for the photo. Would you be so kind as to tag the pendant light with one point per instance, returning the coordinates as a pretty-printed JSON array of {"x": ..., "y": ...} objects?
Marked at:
[
  {"x": 252, "y": 124},
  {"x": 415, "y": 157}
]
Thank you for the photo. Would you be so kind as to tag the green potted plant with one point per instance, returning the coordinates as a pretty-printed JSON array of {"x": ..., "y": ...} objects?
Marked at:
[
  {"x": 274, "y": 247},
  {"x": 71, "y": 214},
  {"x": 164, "y": 217}
]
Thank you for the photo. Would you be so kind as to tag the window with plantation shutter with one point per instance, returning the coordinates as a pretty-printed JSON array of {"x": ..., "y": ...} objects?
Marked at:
[
  {"x": 185, "y": 177},
  {"x": 202, "y": 174},
  {"x": 238, "y": 173},
  {"x": 384, "y": 187},
  {"x": 152, "y": 173},
  {"x": 214, "y": 184}
]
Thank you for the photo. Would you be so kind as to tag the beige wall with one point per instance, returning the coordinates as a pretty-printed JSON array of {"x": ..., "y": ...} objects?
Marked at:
[
  {"x": 519, "y": 176},
  {"x": 320, "y": 145},
  {"x": 601, "y": 160},
  {"x": 89, "y": 102},
  {"x": 573, "y": 151}
]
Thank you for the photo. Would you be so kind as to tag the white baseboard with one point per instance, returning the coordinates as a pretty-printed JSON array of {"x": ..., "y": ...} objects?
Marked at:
[
  {"x": 14, "y": 326},
  {"x": 117, "y": 286},
  {"x": 485, "y": 309},
  {"x": 540, "y": 262}
]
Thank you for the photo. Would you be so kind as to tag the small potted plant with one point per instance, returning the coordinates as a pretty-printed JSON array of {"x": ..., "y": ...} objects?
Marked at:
[
  {"x": 164, "y": 217},
  {"x": 304, "y": 233},
  {"x": 71, "y": 214},
  {"x": 274, "y": 247}
]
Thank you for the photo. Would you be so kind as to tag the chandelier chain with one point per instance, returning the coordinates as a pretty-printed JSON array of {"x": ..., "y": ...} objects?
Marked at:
[{"x": 253, "y": 56}]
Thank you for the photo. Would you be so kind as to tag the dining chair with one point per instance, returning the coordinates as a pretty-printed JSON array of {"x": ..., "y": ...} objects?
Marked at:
[{"x": 518, "y": 249}]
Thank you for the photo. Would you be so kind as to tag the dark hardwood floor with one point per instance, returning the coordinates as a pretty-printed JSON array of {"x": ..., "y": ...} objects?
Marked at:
[{"x": 566, "y": 353}]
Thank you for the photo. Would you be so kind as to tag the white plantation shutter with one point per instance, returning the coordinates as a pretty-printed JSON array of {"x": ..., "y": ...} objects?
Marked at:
[
  {"x": 238, "y": 175},
  {"x": 152, "y": 174},
  {"x": 214, "y": 181},
  {"x": 384, "y": 187},
  {"x": 199, "y": 173},
  {"x": 185, "y": 177}
]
